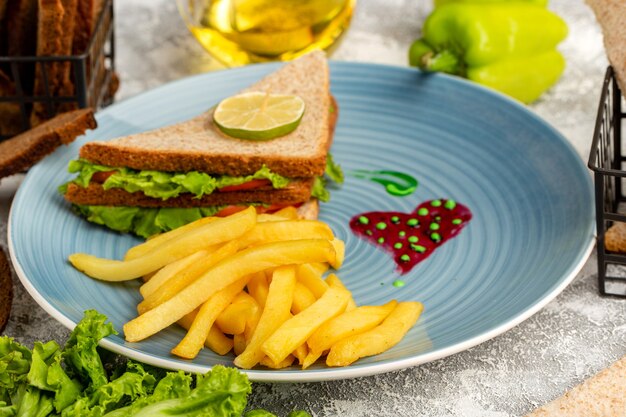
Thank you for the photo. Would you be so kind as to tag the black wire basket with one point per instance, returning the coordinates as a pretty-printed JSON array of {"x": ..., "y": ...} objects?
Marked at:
[
  {"x": 608, "y": 161},
  {"x": 92, "y": 74}
]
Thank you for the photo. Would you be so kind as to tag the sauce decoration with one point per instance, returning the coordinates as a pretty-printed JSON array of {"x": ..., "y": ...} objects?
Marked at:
[
  {"x": 412, "y": 237},
  {"x": 397, "y": 184}
]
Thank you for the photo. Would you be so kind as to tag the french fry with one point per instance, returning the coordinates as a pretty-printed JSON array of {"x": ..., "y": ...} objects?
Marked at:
[
  {"x": 251, "y": 323},
  {"x": 301, "y": 353},
  {"x": 178, "y": 282},
  {"x": 334, "y": 281},
  {"x": 340, "y": 249},
  {"x": 275, "y": 313},
  {"x": 302, "y": 298},
  {"x": 261, "y": 218},
  {"x": 168, "y": 271},
  {"x": 267, "y": 362},
  {"x": 157, "y": 240},
  {"x": 320, "y": 267},
  {"x": 216, "y": 340},
  {"x": 258, "y": 288},
  {"x": 222, "y": 230},
  {"x": 311, "y": 278},
  {"x": 233, "y": 319},
  {"x": 345, "y": 325},
  {"x": 226, "y": 272},
  {"x": 148, "y": 277},
  {"x": 194, "y": 339},
  {"x": 377, "y": 340},
  {"x": 285, "y": 230},
  {"x": 289, "y": 212},
  {"x": 300, "y": 327},
  {"x": 239, "y": 343}
]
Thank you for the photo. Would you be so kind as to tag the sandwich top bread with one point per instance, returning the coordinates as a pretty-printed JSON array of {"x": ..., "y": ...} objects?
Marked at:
[
  {"x": 198, "y": 145},
  {"x": 157, "y": 180}
]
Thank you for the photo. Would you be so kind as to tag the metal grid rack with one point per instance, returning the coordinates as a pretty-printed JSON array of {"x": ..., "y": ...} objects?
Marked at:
[
  {"x": 91, "y": 72},
  {"x": 608, "y": 161}
]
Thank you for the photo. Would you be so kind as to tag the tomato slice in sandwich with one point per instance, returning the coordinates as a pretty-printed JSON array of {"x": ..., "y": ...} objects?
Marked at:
[
  {"x": 250, "y": 185},
  {"x": 100, "y": 177}
]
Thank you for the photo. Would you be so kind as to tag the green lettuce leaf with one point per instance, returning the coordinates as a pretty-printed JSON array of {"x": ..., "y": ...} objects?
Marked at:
[
  {"x": 333, "y": 170},
  {"x": 319, "y": 190},
  {"x": 172, "y": 385},
  {"x": 164, "y": 185},
  {"x": 298, "y": 413},
  {"x": 31, "y": 402},
  {"x": 144, "y": 222},
  {"x": 220, "y": 393},
  {"x": 15, "y": 362},
  {"x": 133, "y": 384},
  {"x": 259, "y": 413},
  {"x": 80, "y": 352}
]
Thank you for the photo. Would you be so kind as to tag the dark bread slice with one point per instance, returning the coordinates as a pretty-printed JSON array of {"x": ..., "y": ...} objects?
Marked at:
[
  {"x": 10, "y": 113},
  {"x": 83, "y": 27},
  {"x": 198, "y": 145},
  {"x": 3, "y": 8},
  {"x": 49, "y": 35},
  {"x": 6, "y": 290},
  {"x": 611, "y": 14},
  {"x": 63, "y": 85},
  {"x": 95, "y": 195},
  {"x": 24, "y": 150},
  {"x": 21, "y": 18}
]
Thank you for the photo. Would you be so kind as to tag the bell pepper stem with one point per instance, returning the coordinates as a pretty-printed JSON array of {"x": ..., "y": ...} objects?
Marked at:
[
  {"x": 443, "y": 61},
  {"x": 425, "y": 57}
]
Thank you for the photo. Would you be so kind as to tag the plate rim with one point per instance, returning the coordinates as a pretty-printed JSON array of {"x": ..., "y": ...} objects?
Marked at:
[{"x": 326, "y": 374}]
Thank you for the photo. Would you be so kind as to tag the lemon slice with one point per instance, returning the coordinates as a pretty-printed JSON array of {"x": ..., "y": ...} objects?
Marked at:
[{"x": 259, "y": 116}]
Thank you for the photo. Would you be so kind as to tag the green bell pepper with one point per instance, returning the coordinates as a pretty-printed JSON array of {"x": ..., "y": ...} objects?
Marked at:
[{"x": 508, "y": 46}]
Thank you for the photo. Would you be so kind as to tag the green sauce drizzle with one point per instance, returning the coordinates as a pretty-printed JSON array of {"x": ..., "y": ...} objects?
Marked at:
[{"x": 400, "y": 186}]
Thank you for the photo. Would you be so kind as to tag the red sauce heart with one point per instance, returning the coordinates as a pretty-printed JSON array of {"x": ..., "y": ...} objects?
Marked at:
[{"x": 411, "y": 238}]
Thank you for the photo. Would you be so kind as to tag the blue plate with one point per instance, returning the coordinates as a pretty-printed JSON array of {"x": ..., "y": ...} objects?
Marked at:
[{"x": 528, "y": 190}]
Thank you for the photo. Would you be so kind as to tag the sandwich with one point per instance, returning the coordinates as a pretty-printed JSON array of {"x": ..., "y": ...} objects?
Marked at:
[{"x": 155, "y": 181}]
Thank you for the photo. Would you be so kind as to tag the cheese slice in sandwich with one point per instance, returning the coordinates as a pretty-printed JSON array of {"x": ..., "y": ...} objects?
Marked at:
[{"x": 158, "y": 180}]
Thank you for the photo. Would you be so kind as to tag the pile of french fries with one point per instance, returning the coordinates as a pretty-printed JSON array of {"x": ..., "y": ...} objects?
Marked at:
[{"x": 253, "y": 284}]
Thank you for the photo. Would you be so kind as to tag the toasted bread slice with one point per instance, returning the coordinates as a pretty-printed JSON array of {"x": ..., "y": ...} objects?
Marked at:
[
  {"x": 610, "y": 15},
  {"x": 198, "y": 145},
  {"x": 309, "y": 210},
  {"x": 24, "y": 150},
  {"x": 10, "y": 113},
  {"x": 95, "y": 195},
  {"x": 599, "y": 396},
  {"x": 6, "y": 290},
  {"x": 49, "y": 34}
]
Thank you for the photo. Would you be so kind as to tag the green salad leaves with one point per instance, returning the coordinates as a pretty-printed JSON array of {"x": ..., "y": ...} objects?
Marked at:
[
  {"x": 164, "y": 185},
  {"x": 146, "y": 222},
  {"x": 76, "y": 381}
]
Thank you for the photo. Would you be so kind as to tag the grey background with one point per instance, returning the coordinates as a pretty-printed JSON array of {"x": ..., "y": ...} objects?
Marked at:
[{"x": 572, "y": 338}]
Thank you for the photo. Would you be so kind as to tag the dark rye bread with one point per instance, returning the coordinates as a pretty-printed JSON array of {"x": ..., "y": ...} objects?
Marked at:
[
  {"x": 24, "y": 150},
  {"x": 49, "y": 42},
  {"x": 21, "y": 18},
  {"x": 10, "y": 113},
  {"x": 611, "y": 15},
  {"x": 6, "y": 290},
  {"x": 198, "y": 145},
  {"x": 296, "y": 192},
  {"x": 63, "y": 86}
]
